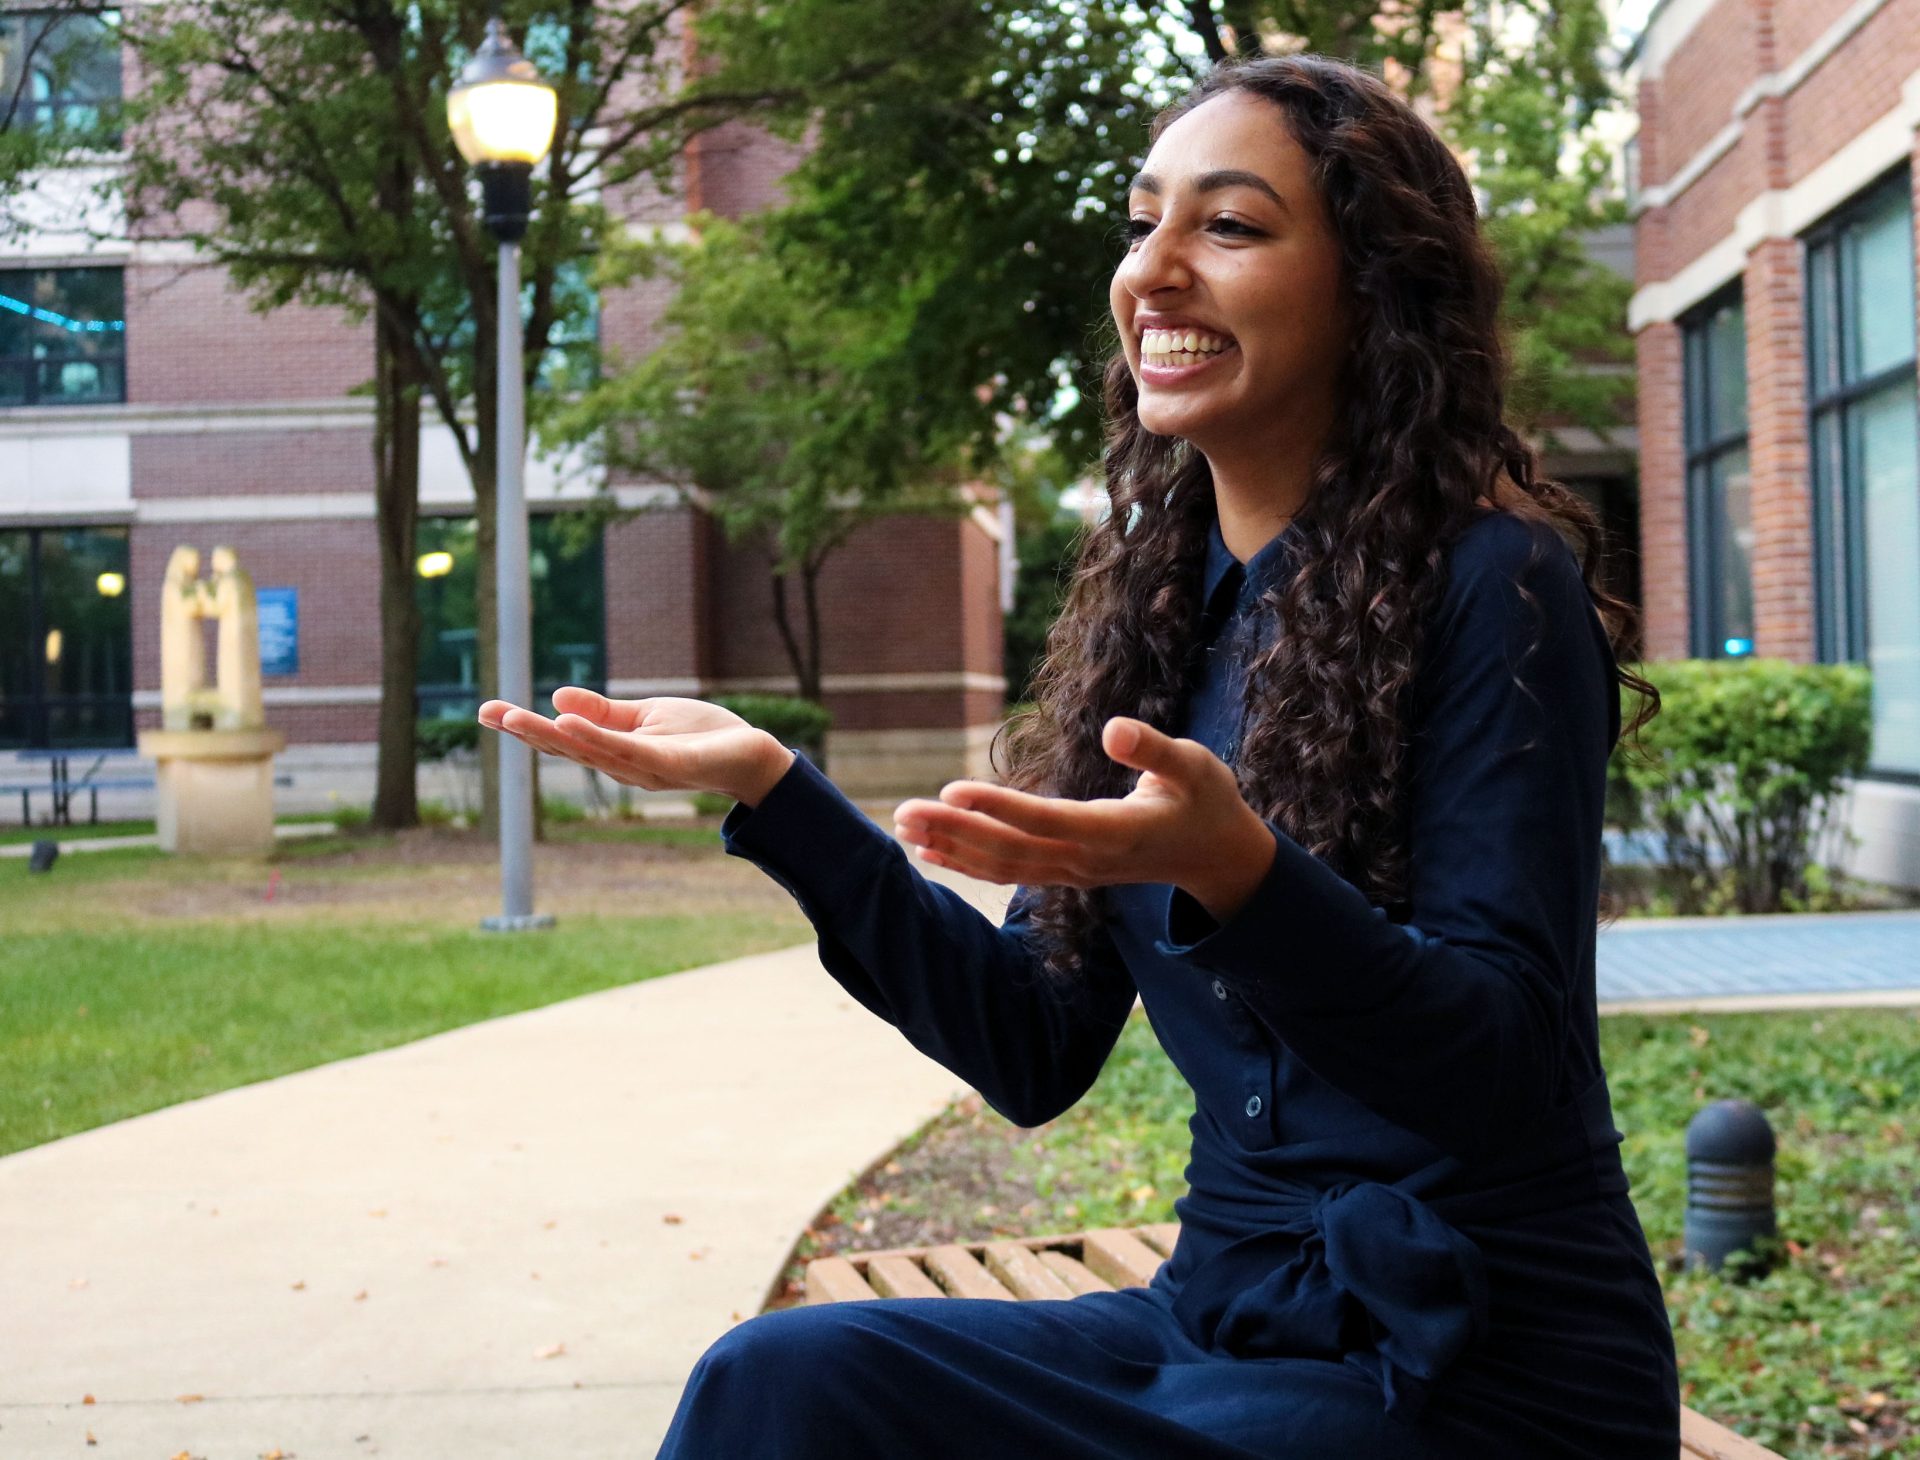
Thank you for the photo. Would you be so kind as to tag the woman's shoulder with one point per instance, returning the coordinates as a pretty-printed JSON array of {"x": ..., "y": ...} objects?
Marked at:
[{"x": 1505, "y": 569}]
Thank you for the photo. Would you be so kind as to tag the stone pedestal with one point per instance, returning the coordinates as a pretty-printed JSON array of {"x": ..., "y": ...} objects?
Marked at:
[{"x": 215, "y": 788}]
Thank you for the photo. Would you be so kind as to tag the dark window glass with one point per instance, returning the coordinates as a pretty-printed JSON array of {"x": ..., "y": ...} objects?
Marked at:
[
  {"x": 66, "y": 661},
  {"x": 63, "y": 337},
  {"x": 1864, "y": 429},
  {"x": 564, "y": 567},
  {"x": 60, "y": 72},
  {"x": 1719, "y": 509}
]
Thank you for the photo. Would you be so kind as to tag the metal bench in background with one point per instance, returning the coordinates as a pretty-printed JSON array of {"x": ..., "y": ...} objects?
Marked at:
[
  {"x": 1020, "y": 1268},
  {"x": 61, "y": 784}
]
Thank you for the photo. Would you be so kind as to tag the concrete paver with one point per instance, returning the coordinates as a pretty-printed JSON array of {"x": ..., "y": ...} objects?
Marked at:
[{"x": 459, "y": 1247}]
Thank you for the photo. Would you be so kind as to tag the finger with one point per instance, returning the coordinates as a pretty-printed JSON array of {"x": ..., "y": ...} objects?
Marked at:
[
  {"x": 573, "y": 699},
  {"x": 1054, "y": 817},
  {"x": 540, "y": 732},
  {"x": 634, "y": 756},
  {"x": 492, "y": 710},
  {"x": 983, "y": 840},
  {"x": 1136, "y": 743}
]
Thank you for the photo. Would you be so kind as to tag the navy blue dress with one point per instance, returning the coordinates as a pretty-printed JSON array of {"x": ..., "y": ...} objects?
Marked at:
[{"x": 1408, "y": 1232}]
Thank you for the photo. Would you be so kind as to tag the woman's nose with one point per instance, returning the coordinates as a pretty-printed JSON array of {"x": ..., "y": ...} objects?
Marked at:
[{"x": 1157, "y": 261}]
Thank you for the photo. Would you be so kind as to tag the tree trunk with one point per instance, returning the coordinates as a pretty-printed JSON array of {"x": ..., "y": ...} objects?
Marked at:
[{"x": 396, "y": 453}]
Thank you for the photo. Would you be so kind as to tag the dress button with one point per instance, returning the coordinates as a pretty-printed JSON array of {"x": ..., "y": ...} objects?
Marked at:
[
  {"x": 1253, "y": 1105},
  {"x": 1219, "y": 989}
]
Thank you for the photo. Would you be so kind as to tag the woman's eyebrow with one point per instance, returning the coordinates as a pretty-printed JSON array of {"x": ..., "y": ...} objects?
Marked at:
[{"x": 1208, "y": 182}]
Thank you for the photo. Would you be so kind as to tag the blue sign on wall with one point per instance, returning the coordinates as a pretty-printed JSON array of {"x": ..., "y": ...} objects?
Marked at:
[{"x": 279, "y": 630}]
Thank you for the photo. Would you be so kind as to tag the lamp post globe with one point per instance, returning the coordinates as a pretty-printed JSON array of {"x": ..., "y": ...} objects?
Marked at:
[{"x": 502, "y": 117}]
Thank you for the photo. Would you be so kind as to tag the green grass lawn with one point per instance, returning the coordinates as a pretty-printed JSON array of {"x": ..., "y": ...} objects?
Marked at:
[
  {"x": 131, "y": 980},
  {"x": 1818, "y": 1358}
]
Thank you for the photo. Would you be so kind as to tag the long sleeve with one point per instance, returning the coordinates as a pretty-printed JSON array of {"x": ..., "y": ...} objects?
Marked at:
[
  {"x": 962, "y": 991},
  {"x": 1453, "y": 1024}
]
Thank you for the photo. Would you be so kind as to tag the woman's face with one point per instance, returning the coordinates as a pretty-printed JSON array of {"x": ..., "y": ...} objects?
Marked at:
[{"x": 1230, "y": 240}]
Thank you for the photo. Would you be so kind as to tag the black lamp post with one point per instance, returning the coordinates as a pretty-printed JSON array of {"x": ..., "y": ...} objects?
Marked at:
[{"x": 502, "y": 116}]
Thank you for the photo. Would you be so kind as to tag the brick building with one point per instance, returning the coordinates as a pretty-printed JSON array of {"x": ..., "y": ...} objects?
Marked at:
[
  {"x": 144, "y": 405},
  {"x": 1775, "y": 327}
]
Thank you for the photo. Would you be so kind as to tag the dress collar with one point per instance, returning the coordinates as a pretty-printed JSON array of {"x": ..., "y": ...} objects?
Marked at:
[{"x": 1262, "y": 570}]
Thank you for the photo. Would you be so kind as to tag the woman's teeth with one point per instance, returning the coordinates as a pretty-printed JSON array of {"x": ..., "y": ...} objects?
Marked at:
[{"x": 1179, "y": 347}]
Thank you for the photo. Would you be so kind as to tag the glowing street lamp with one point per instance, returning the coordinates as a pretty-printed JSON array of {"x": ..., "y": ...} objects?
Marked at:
[{"x": 502, "y": 118}]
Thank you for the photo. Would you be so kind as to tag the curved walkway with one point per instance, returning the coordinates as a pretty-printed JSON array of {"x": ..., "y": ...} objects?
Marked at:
[{"x": 509, "y": 1240}]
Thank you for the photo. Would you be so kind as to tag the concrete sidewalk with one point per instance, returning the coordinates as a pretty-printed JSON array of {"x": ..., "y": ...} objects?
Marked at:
[{"x": 509, "y": 1240}]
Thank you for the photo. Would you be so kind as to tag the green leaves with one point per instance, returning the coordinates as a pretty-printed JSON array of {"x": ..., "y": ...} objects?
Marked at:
[{"x": 1740, "y": 772}]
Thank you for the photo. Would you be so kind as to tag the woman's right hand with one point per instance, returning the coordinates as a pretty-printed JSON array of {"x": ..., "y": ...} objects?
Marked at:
[{"x": 659, "y": 744}]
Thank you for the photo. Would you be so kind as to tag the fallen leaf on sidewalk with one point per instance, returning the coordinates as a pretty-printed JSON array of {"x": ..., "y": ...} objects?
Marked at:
[
  {"x": 361, "y": 1296},
  {"x": 551, "y": 1351},
  {"x": 87, "y": 1399},
  {"x": 672, "y": 1219},
  {"x": 301, "y": 1286},
  {"x": 90, "y": 1438},
  {"x": 276, "y": 1453},
  {"x": 549, "y": 1225},
  {"x": 78, "y": 1283},
  {"x": 189, "y": 1398}
]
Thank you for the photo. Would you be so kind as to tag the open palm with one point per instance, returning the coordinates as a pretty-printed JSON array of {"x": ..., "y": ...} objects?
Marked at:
[{"x": 659, "y": 744}]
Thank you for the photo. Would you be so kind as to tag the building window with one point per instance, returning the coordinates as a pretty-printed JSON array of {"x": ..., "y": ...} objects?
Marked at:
[
  {"x": 565, "y": 564},
  {"x": 66, "y": 654},
  {"x": 59, "y": 72},
  {"x": 1866, "y": 457},
  {"x": 63, "y": 337},
  {"x": 1719, "y": 502}
]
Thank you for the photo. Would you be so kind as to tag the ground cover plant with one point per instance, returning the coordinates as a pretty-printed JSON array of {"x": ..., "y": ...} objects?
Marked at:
[
  {"x": 1816, "y": 1358},
  {"x": 130, "y": 979}
]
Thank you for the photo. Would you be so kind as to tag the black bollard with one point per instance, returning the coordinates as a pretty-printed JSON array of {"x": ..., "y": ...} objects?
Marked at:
[
  {"x": 43, "y": 856},
  {"x": 1730, "y": 1150}
]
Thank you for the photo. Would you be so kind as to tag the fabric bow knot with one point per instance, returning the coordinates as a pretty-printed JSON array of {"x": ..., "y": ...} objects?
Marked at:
[{"x": 1365, "y": 1274}]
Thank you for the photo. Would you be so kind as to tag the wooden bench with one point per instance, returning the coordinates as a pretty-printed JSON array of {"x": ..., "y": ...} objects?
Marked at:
[{"x": 1017, "y": 1268}]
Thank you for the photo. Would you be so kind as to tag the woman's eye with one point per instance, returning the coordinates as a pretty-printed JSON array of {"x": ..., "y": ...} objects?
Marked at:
[{"x": 1139, "y": 228}]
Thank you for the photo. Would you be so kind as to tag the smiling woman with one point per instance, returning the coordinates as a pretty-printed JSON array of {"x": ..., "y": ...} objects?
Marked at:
[{"x": 1316, "y": 770}]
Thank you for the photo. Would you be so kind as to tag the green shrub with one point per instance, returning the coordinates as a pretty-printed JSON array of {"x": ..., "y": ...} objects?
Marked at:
[
  {"x": 711, "y": 803},
  {"x": 435, "y": 739},
  {"x": 562, "y": 812},
  {"x": 1740, "y": 774},
  {"x": 351, "y": 818},
  {"x": 787, "y": 718}
]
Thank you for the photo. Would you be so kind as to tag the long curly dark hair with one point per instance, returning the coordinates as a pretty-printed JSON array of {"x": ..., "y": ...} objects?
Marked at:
[{"x": 1420, "y": 440}]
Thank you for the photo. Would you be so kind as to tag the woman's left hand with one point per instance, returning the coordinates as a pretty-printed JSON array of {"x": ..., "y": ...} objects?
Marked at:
[{"x": 1185, "y": 822}]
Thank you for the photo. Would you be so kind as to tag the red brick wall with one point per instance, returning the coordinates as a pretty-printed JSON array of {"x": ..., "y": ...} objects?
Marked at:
[
  {"x": 657, "y": 591},
  {"x": 1663, "y": 518},
  {"x": 252, "y": 463},
  {"x": 335, "y": 566},
  {"x": 1718, "y": 60},
  {"x": 1854, "y": 88},
  {"x": 194, "y": 340},
  {"x": 1777, "y": 443},
  {"x": 1784, "y": 139}
]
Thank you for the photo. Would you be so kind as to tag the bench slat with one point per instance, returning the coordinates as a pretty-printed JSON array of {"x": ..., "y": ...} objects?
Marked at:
[
  {"x": 1120, "y": 1257},
  {"x": 1128, "y": 1258},
  {"x": 1710, "y": 1440},
  {"x": 898, "y": 1277},
  {"x": 1160, "y": 1236},
  {"x": 835, "y": 1280},
  {"x": 1075, "y": 1274},
  {"x": 955, "y": 1269},
  {"x": 1025, "y": 1275}
]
